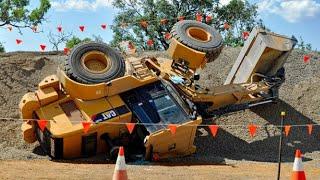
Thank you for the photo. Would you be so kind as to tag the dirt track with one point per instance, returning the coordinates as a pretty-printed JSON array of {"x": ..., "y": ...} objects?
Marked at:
[
  {"x": 300, "y": 98},
  {"x": 40, "y": 169}
]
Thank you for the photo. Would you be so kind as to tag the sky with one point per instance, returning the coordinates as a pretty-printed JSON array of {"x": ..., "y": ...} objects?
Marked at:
[{"x": 287, "y": 17}]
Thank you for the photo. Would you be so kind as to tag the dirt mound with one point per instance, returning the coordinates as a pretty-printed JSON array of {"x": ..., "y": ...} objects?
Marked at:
[
  {"x": 20, "y": 73},
  {"x": 300, "y": 98}
]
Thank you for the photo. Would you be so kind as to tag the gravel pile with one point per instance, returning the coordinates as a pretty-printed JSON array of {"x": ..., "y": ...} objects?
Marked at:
[{"x": 300, "y": 98}]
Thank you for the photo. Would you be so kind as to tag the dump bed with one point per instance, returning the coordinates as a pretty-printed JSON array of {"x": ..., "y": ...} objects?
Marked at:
[{"x": 263, "y": 52}]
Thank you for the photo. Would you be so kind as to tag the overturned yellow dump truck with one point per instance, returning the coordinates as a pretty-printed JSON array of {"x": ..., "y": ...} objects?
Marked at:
[{"x": 99, "y": 86}]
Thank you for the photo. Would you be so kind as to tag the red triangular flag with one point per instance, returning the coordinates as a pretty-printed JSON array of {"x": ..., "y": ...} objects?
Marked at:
[
  {"x": 42, "y": 124},
  {"x": 173, "y": 128},
  {"x": 310, "y": 127},
  {"x": 150, "y": 42},
  {"x": 81, "y": 28},
  {"x": 245, "y": 35},
  {"x": 103, "y": 26},
  {"x": 199, "y": 17},
  {"x": 130, "y": 127},
  {"x": 18, "y": 41},
  {"x": 86, "y": 126},
  {"x": 167, "y": 36},
  {"x": 163, "y": 21},
  {"x": 10, "y": 28},
  {"x": 226, "y": 26},
  {"x": 43, "y": 47},
  {"x": 306, "y": 58},
  {"x": 287, "y": 129},
  {"x": 66, "y": 51},
  {"x": 59, "y": 28},
  {"x": 181, "y": 18},
  {"x": 214, "y": 130},
  {"x": 144, "y": 24},
  {"x": 252, "y": 129},
  {"x": 208, "y": 19}
]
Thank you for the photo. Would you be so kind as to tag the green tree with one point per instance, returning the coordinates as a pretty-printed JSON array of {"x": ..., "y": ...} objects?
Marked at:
[
  {"x": 17, "y": 13},
  {"x": 301, "y": 45},
  {"x": 127, "y": 27},
  {"x": 241, "y": 16},
  {"x": 304, "y": 46},
  {"x": 75, "y": 40},
  {"x": 2, "y": 50},
  {"x": 308, "y": 47}
]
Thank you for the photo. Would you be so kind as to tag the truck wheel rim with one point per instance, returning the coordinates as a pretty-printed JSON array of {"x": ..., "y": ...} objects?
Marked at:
[
  {"x": 96, "y": 62},
  {"x": 198, "y": 34}
]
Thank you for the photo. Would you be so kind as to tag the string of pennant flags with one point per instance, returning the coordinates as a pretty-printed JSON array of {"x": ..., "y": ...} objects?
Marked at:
[
  {"x": 144, "y": 24},
  {"x": 252, "y": 128}
]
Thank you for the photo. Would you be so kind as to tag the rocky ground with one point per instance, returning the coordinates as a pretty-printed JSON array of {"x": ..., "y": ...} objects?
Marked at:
[{"x": 20, "y": 72}]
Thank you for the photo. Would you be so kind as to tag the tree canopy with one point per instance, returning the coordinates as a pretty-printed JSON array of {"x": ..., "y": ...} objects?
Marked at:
[
  {"x": 75, "y": 40},
  {"x": 139, "y": 20},
  {"x": 16, "y": 13}
]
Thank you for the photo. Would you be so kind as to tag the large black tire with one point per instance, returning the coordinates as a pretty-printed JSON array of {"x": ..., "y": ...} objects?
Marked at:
[
  {"x": 211, "y": 45},
  {"x": 76, "y": 69}
]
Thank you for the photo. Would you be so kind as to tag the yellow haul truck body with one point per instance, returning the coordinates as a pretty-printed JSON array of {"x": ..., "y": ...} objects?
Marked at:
[
  {"x": 64, "y": 136},
  {"x": 99, "y": 87}
]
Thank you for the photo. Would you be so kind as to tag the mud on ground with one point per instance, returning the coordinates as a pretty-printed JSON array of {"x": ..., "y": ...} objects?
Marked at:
[{"x": 20, "y": 72}]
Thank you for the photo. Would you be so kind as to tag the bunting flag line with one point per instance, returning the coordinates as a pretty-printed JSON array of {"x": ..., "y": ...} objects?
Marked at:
[
  {"x": 81, "y": 28},
  {"x": 59, "y": 28},
  {"x": 130, "y": 127},
  {"x": 86, "y": 126},
  {"x": 287, "y": 130},
  {"x": 213, "y": 130},
  {"x": 252, "y": 130},
  {"x": 104, "y": 26},
  {"x": 18, "y": 41},
  {"x": 172, "y": 128},
  {"x": 306, "y": 58},
  {"x": 310, "y": 127},
  {"x": 42, "y": 124},
  {"x": 43, "y": 47}
]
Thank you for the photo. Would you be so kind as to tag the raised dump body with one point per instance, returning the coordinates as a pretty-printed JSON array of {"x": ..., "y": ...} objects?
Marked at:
[{"x": 264, "y": 53}]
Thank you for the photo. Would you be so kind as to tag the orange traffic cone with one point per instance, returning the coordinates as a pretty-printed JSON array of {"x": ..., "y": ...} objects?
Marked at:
[
  {"x": 298, "y": 172},
  {"x": 120, "y": 172}
]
